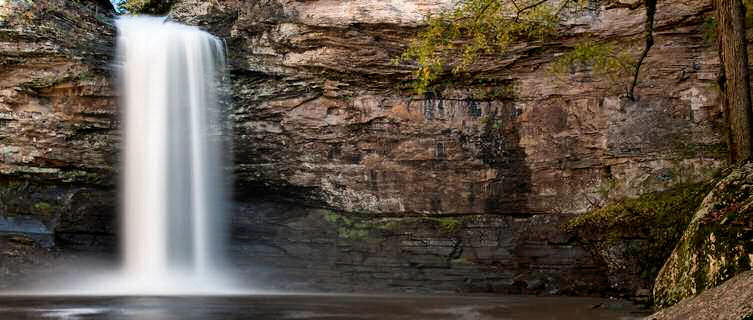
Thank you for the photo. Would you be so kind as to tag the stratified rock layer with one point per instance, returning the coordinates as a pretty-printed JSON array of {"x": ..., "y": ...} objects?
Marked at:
[
  {"x": 58, "y": 133},
  {"x": 303, "y": 249},
  {"x": 320, "y": 117}
]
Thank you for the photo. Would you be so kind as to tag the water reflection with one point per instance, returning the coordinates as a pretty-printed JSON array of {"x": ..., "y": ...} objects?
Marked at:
[{"x": 322, "y": 307}]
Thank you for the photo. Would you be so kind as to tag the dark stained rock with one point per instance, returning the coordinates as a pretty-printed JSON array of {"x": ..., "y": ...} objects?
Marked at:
[{"x": 285, "y": 246}]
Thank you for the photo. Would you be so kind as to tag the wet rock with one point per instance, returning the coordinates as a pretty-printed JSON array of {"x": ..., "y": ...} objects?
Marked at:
[{"x": 286, "y": 246}]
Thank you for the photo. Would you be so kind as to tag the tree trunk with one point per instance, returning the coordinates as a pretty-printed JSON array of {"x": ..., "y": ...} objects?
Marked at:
[{"x": 733, "y": 52}]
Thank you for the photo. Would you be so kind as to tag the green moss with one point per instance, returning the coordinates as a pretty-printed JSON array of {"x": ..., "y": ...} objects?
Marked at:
[
  {"x": 716, "y": 246},
  {"x": 461, "y": 261},
  {"x": 689, "y": 149},
  {"x": 146, "y": 6},
  {"x": 606, "y": 61},
  {"x": 353, "y": 233},
  {"x": 353, "y": 229},
  {"x": 660, "y": 218},
  {"x": 708, "y": 29},
  {"x": 447, "y": 225},
  {"x": 391, "y": 224},
  {"x": 330, "y": 216},
  {"x": 474, "y": 28}
]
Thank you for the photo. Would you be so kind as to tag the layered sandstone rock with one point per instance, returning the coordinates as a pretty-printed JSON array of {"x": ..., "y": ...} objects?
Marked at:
[
  {"x": 323, "y": 117},
  {"x": 321, "y": 114},
  {"x": 58, "y": 133}
]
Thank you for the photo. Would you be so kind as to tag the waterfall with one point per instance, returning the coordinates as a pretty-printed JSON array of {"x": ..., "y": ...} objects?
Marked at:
[{"x": 171, "y": 188}]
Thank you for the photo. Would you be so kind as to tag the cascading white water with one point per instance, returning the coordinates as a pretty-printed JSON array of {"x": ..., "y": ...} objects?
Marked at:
[
  {"x": 172, "y": 188},
  {"x": 171, "y": 180}
]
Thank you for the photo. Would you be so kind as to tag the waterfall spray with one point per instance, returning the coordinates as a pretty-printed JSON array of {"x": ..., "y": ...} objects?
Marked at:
[{"x": 172, "y": 192}]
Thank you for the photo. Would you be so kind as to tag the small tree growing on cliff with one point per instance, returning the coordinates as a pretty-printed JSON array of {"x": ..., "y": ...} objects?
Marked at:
[
  {"x": 479, "y": 27},
  {"x": 143, "y": 6},
  {"x": 476, "y": 27}
]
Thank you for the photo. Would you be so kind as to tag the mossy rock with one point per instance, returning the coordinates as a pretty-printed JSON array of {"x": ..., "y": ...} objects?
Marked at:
[
  {"x": 147, "y": 6},
  {"x": 717, "y": 244},
  {"x": 635, "y": 236}
]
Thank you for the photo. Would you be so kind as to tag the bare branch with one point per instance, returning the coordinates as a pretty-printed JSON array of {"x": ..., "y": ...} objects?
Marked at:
[{"x": 649, "y": 33}]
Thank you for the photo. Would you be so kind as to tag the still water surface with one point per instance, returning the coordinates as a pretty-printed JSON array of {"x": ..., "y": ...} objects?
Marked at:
[{"x": 319, "y": 307}]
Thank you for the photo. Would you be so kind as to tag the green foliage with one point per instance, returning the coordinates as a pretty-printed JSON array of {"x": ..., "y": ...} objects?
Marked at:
[
  {"x": 604, "y": 59},
  {"x": 659, "y": 217},
  {"x": 708, "y": 28},
  {"x": 447, "y": 225},
  {"x": 474, "y": 28},
  {"x": 146, "y": 6},
  {"x": 501, "y": 91},
  {"x": 348, "y": 228},
  {"x": 715, "y": 247}
]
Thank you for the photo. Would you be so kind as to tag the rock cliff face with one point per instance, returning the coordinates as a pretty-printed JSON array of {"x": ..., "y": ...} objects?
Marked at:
[
  {"x": 58, "y": 123},
  {"x": 58, "y": 131},
  {"x": 464, "y": 189},
  {"x": 322, "y": 117}
]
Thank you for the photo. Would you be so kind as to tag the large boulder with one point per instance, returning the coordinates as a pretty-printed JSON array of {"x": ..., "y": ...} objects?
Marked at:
[
  {"x": 733, "y": 300},
  {"x": 717, "y": 244}
]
